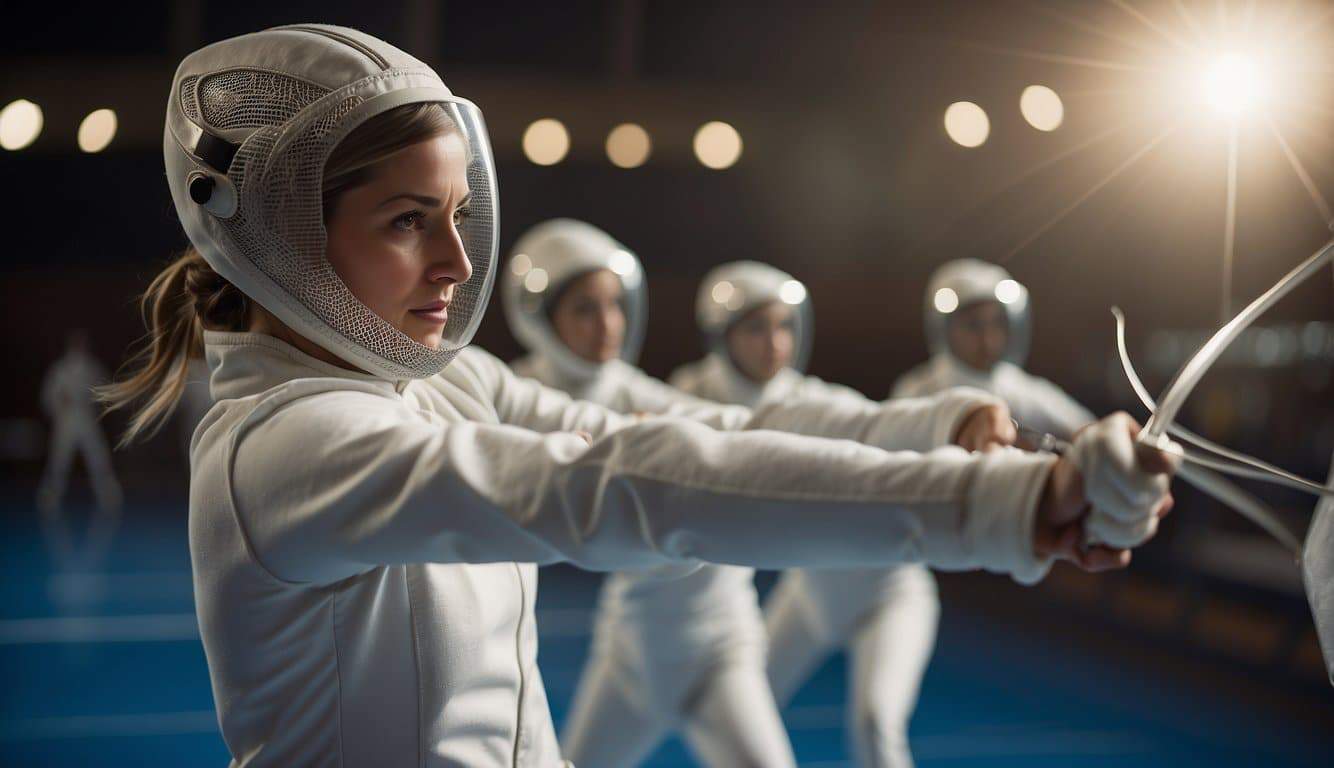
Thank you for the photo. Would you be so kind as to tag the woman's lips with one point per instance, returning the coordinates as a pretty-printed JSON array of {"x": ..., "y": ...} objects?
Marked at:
[{"x": 436, "y": 312}]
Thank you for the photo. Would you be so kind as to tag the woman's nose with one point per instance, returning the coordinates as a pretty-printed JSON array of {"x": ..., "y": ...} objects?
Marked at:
[{"x": 448, "y": 258}]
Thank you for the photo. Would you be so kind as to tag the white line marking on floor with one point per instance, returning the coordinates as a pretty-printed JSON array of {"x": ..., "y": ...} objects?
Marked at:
[
  {"x": 167, "y": 627},
  {"x": 84, "y": 726}
]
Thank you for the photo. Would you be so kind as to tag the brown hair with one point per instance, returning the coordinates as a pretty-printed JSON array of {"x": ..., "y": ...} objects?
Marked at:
[{"x": 188, "y": 297}]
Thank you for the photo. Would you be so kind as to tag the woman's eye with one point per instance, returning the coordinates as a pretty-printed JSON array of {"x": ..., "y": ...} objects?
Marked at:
[
  {"x": 460, "y": 214},
  {"x": 410, "y": 221}
]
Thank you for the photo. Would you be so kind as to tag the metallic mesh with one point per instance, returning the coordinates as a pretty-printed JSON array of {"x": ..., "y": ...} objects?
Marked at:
[
  {"x": 251, "y": 98},
  {"x": 188, "y": 102}
]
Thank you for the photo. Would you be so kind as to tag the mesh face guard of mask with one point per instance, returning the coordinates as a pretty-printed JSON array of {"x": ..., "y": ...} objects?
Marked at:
[
  {"x": 544, "y": 261},
  {"x": 732, "y": 290},
  {"x": 958, "y": 284},
  {"x": 251, "y": 122}
]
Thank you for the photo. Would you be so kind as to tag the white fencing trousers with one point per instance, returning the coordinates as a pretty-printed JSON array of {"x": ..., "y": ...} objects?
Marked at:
[
  {"x": 610, "y": 721},
  {"x": 730, "y": 720},
  {"x": 886, "y": 619}
]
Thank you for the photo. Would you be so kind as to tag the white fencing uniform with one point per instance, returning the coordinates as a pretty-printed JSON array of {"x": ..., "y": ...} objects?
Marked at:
[
  {"x": 67, "y": 398},
  {"x": 372, "y": 533},
  {"x": 885, "y": 617}
]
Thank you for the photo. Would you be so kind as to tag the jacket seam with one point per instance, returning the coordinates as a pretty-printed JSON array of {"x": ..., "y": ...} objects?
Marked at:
[
  {"x": 416, "y": 664},
  {"x": 338, "y": 674}
]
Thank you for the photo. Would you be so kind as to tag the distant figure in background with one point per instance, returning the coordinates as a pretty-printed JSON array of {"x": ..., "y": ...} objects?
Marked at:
[
  {"x": 757, "y": 323},
  {"x": 67, "y": 398},
  {"x": 978, "y": 322}
]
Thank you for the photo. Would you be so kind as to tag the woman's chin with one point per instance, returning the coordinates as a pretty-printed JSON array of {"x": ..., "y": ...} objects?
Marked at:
[{"x": 431, "y": 341}]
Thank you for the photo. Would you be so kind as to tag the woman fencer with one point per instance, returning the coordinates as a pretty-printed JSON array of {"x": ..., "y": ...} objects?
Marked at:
[
  {"x": 978, "y": 324},
  {"x": 369, "y": 497},
  {"x": 757, "y": 321}
]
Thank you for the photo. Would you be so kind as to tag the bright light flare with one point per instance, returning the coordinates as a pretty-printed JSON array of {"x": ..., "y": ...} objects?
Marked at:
[
  {"x": 521, "y": 264},
  {"x": 1042, "y": 108},
  {"x": 628, "y": 145},
  {"x": 536, "y": 281},
  {"x": 946, "y": 301},
  {"x": 792, "y": 292},
  {"x": 20, "y": 124},
  {"x": 97, "y": 130},
  {"x": 622, "y": 263},
  {"x": 967, "y": 124},
  {"x": 546, "y": 142},
  {"x": 717, "y": 145},
  {"x": 1232, "y": 84},
  {"x": 1008, "y": 291}
]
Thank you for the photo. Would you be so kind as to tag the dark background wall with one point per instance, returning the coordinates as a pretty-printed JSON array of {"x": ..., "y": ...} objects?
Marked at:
[{"x": 847, "y": 178}]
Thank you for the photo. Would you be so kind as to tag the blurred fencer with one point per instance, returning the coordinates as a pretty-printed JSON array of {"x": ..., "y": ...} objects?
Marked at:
[
  {"x": 682, "y": 647},
  {"x": 68, "y": 399},
  {"x": 978, "y": 327},
  {"x": 677, "y": 647},
  {"x": 370, "y": 497},
  {"x": 756, "y": 322}
]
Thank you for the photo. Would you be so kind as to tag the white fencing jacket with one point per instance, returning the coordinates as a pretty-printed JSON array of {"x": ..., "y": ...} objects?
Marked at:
[
  {"x": 364, "y": 550},
  {"x": 1034, "y": 401}
]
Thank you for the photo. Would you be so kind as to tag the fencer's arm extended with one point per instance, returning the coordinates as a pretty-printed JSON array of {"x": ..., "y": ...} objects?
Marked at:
[
  {"x": 1046, "y": 407},
  {"x": 908, "y": 424},
  {"x": 824, "y": 410},
  {"x": 527, "y": 403},
  {"x": 644, "y": 394},
  {"x": 331, "y": 484}
]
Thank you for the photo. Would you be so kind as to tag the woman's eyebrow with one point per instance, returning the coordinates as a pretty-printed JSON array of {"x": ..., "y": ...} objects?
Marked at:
[{"x": 426, "y": 200}]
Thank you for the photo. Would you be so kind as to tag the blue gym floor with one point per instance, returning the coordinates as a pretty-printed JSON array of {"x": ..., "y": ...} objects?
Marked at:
[{"x": 107, "y": 670}]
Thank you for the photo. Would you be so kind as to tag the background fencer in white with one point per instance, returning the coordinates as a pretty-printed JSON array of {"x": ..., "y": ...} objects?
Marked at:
[
  {"x": 678, "y": 647},
  {"x": 365, "y": 515},
  {"x": 67, "y": 397},
  {"x": 978, "y": 323},
  {"x": 673, "y": 646},
  {"x": 756, "y": 321}
]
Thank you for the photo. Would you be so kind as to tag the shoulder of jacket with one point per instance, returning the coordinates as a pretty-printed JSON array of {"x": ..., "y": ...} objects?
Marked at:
[
  {"x": 909, "y": 383},
  {"x": 687, "y": 375}
]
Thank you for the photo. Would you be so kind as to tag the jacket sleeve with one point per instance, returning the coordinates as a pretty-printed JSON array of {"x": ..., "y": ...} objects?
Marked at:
[
  {"x": 1044, "y": 406},
  {"x": 331, "y": 484},
  {"x": 908, "y": 424},
  {"x": 525, "y": 402},
  {"x": 644, "y": 394}
]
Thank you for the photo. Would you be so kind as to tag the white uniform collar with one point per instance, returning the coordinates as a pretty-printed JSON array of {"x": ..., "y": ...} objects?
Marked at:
[
  {"x": 742, "y": 390},
  {"x": 948, "y": 368},
  {"x": 243, "y": 364},
  {"x": 592, "y": 382}
]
